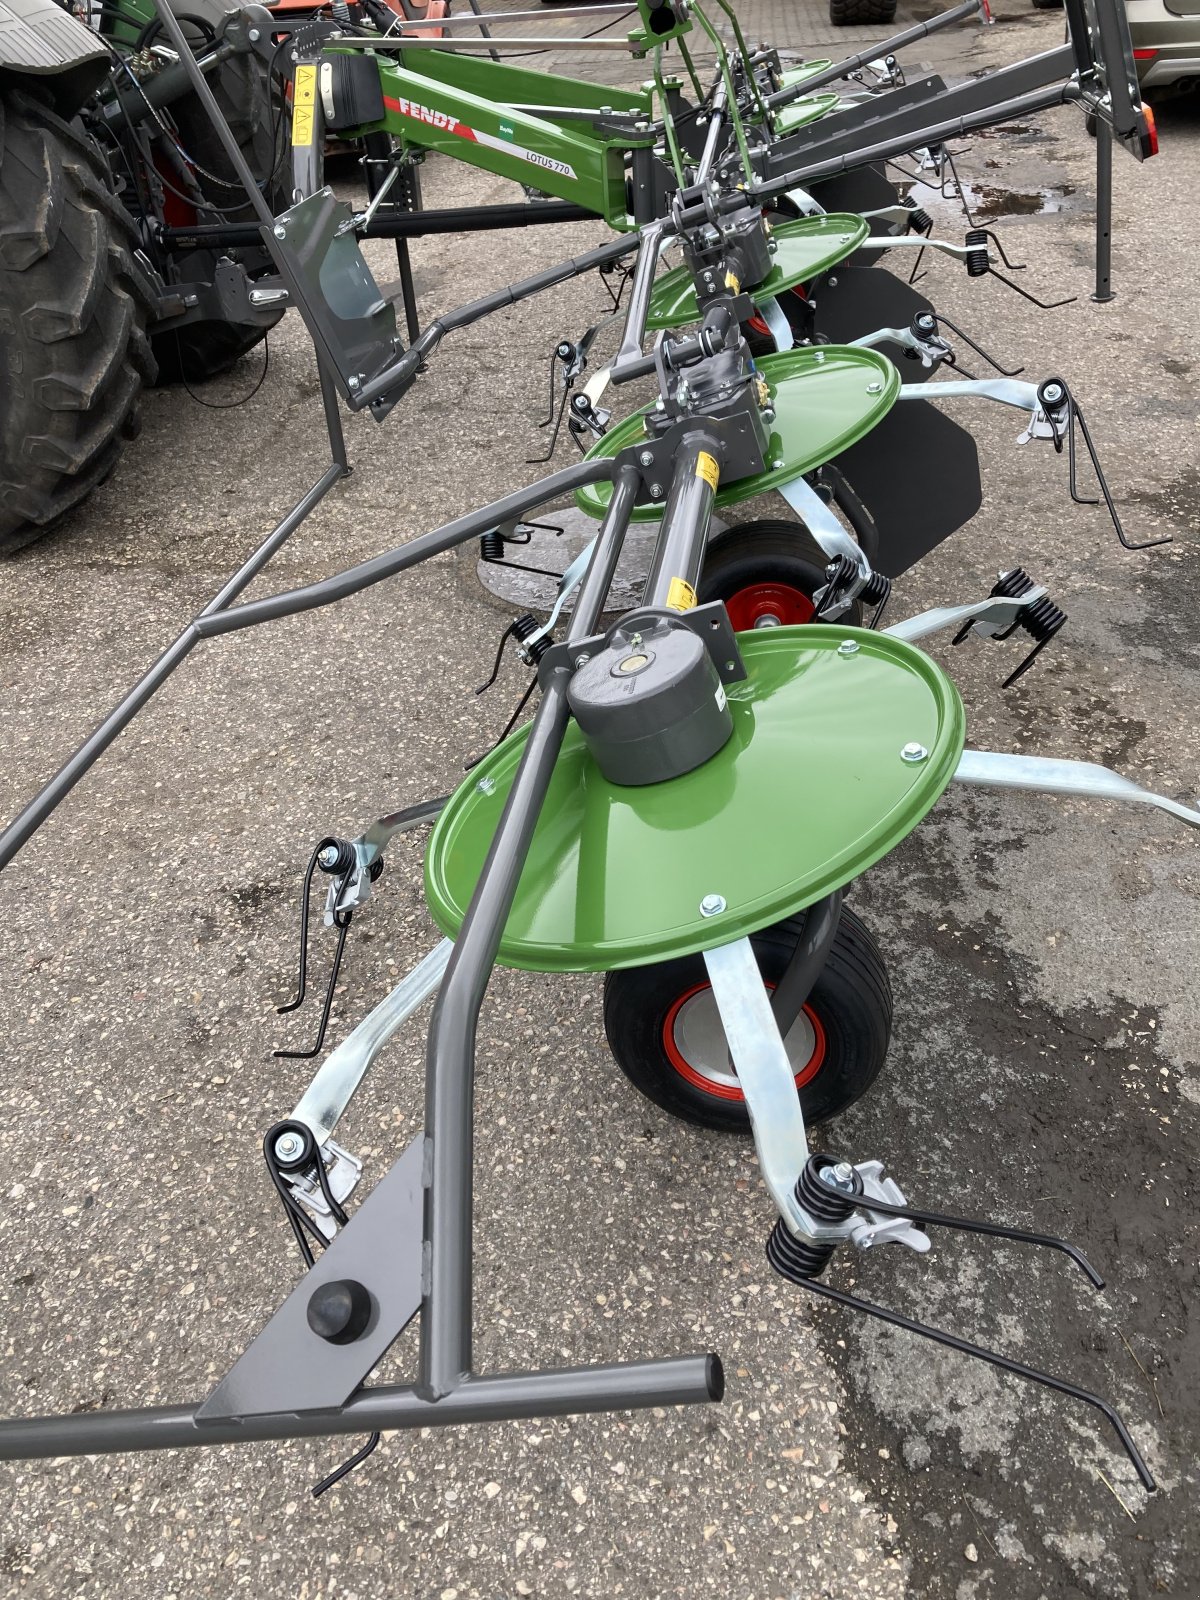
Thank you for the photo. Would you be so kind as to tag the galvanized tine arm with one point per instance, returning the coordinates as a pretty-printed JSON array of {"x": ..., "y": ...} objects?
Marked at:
[{"x": 1048, "y": 775}]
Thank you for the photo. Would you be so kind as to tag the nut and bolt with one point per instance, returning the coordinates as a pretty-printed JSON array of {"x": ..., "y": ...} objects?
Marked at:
[
  {"x": 646, "y": 459},
  {"x": 848, "y": 647},
  {"x": 328, "y": 856},
  {"x": 712, "y": 905},
  {"x": 913, "y": 753},
  {"x": 840, "y": 1176},
  {"x": 582, "y": 660},
  {"x": 288, "y": 1146},
  {"x": 280, "y": 231},
  {"x": 656, "y": 489},
  {"x": 1052, "y": 393}
]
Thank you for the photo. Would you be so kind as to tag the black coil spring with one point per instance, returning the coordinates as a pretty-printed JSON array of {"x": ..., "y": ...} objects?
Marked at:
[
  {"x": 491, "y": 545},
  {"x": 521, "y": 629},
  {"x": 344, "y": 860},
  {"x": 977, "y": 253},
  {"x": 796, "y": 1259},
  {"x": 919, "y": 220},
  {"x": 1042, "y": 620},
  {"x": 877, "y": 589}
]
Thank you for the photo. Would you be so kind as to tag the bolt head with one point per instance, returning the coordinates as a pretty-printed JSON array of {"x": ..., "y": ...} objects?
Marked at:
[
  {"x": 288, "y": 1146},
  {"x": 840, "y": 1176},
  {"x": 352, "y": 382},
  {"x": 874, "y": 388},
  {"x": 1052, "y": 393},
  {"x": 646, "y": 458},
  {"x": 712, "y": 905},
  {"x": 848, "y": 647},
  {"x": 486, "y": 786},
  {"x": 656, "y": 489},
  {"x": 914, "y": 753},
  {"x": 327, "y": 858},
  {"x": 279, "y": 231},
  {"x": 581, "y": 660},
  {"x": 254, "y": 36}
]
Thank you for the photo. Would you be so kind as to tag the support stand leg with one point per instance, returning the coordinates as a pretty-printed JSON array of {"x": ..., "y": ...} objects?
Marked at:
[{"x": 1104, "y": 158}]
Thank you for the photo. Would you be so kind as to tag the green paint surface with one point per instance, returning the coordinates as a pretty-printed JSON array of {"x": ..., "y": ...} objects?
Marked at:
[{"x": 809, "y": 792}]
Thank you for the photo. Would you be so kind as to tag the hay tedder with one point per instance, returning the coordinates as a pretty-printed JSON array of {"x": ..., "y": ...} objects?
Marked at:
[{"x": 753, "y": 694}]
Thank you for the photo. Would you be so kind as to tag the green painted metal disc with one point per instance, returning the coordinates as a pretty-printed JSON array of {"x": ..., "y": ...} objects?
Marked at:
[
  {"x": 809, "y": 792},
  {"x": 802, "y": 73},
  {"x": 825, "y": 400},
  {"x": 801, "y": 112},
  {"x": 803, "y": 249}
]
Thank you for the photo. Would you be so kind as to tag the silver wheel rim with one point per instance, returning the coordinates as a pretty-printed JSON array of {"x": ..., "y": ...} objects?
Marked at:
[{"x": 700, "y": 1039}]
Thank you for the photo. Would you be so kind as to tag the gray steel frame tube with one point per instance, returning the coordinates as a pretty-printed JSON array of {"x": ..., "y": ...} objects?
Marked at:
[
  {"x": 35, "y": 813},
  {"x": 355, "y": 579},
  {"x": 446, "y": 1319},
  {"x": 680, "y": 1380},
  {"x": 679, "y": 549},
  {"x": 886, "y": 47}
]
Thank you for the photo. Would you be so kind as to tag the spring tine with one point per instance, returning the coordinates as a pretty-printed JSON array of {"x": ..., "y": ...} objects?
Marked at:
[
  {"x": 537, "y": 461},
  {"x": 302, "y": 976},
  {"x": 994, "y": 1230},
  {"x": 1013, "y": 266},
  {"x": 1129, "y": 544},
  {"x": 356, "y": 1460},
  {"x": 1042, "y": 305},
  {"x": 1072, "y": 464},
  {"x": 504, "y": 638},
  {"x": 995, "y": 1359},
  {"x": 966, "y": 338},
  {"x": 343, "y": 926}
]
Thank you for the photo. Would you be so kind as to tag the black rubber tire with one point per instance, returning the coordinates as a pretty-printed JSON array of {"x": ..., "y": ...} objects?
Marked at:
[
  {"x": 1047, "y": 5},
  {"x": 250, "y": 104},
  {"x": 861, "y": 13},
  {"x": 851, "y": 999},
  {"x": 767, "y": 551},
  {"x": 74, "y": 307}
]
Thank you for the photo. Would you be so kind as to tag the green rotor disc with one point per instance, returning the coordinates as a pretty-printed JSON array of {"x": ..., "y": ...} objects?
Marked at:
[
  {"x": 825, "y": 399},
  {"x": 803, "y": 250},
  {"x": 810, "y": 791}
]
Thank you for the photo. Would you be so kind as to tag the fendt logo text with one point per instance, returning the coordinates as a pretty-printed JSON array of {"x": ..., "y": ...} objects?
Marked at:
[{"x": 435, "y": 119}]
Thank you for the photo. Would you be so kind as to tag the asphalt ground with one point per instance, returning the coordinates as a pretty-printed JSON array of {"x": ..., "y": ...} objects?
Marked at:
[{"x": 1042, "y": 952}]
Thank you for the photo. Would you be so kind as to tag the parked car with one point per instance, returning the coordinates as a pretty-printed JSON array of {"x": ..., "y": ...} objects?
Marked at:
[{"x": 1166, "y": 39}]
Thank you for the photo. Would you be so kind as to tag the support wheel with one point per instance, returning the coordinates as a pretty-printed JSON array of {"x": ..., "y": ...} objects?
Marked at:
[
  {"x": 665, "y": 1032},
  {"x": 768, "y": 571}
]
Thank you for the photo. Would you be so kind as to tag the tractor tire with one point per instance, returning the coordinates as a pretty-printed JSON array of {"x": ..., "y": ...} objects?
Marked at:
[
  {"x": 252, "y": 106},
  {"x": 74, "y": 307},
  {"x": 862, "y": 13}
]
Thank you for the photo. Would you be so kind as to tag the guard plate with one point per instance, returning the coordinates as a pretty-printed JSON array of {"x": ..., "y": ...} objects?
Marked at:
[
  {"x": 804, "y": 249},
  {"x": 810, "y": 791},
  {"x": 825, "y": 400}
]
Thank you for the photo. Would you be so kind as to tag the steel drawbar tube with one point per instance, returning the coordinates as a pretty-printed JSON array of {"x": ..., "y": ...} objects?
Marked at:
[
  {"x": 885, "y": 47},
  {"x": 446, "y": 1319}
]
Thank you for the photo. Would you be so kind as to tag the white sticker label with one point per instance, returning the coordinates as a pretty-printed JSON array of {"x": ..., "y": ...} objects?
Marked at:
[{"x": 720, "y": 697}]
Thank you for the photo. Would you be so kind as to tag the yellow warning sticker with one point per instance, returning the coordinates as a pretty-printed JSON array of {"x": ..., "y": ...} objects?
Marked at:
[
  {"x": 733, "y": 283},
  {"x": 680, "y": 594},
  {"x": 707, "y": 468},
  {"x": 304, "y": 99}
]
